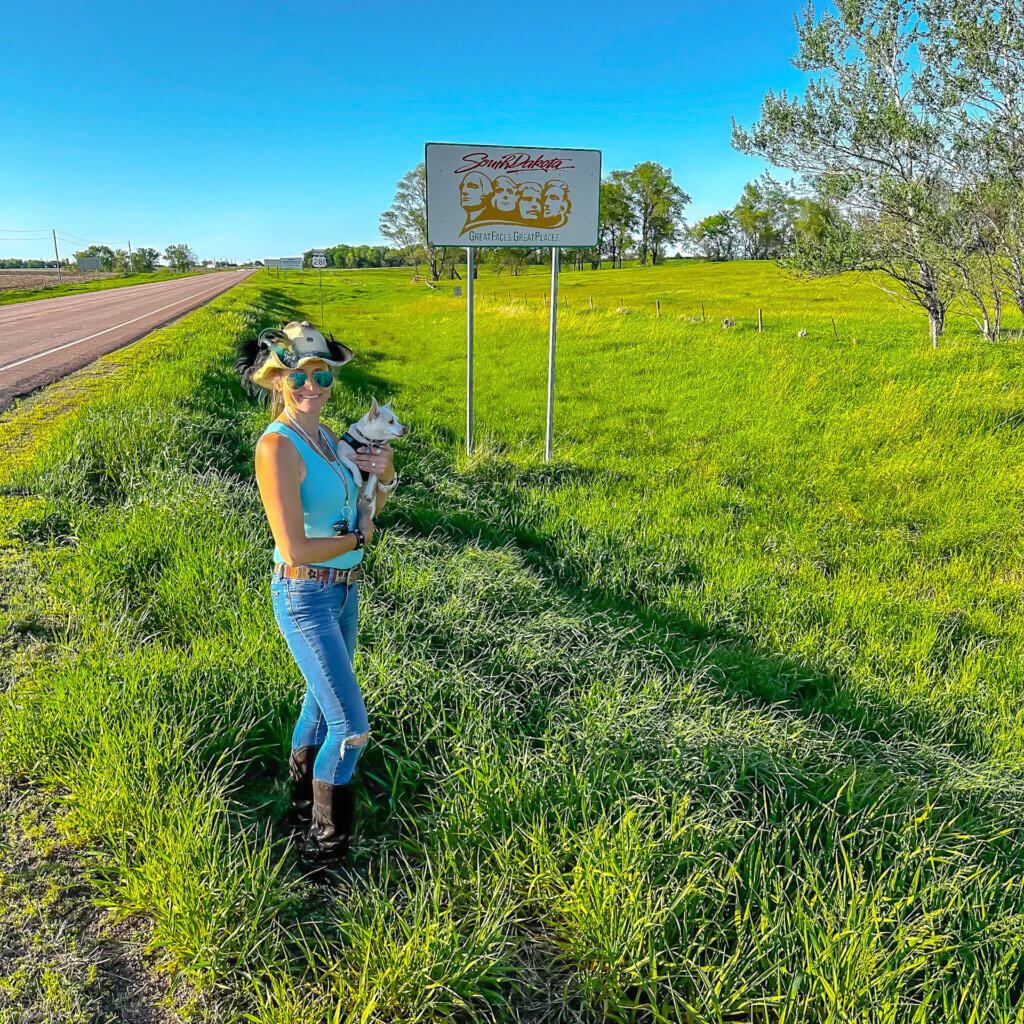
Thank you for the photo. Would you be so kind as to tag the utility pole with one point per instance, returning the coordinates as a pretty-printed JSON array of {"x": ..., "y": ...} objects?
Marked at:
[
  {"x": 130, "y": 268},
  {"x": 56, "y": 253}
]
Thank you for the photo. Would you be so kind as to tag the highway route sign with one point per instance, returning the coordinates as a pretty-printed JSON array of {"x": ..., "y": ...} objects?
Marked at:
[{"x": 319, "y": 262}]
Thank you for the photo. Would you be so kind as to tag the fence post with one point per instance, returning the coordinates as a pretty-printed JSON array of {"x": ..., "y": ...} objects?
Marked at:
[
  {"x": 759, "y": 325},
  {"x": 657, "y": 306}
]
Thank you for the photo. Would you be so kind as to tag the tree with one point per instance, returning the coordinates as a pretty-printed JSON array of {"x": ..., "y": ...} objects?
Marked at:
[
  {"x": 981, "y": 57},
  {"x": 579, "y": 258},
  {"x": 616, "y": 218},
  {"x": 716, "y": 236},
  {"x": 405, "y": 222},
  {"x": 871, "y": 135},
  {"x": 512, "y": 260},
  {"x": 144, "y": 260},
  {"x": 180, "y": 256},
  {"x": 764, "y": 218},
  {"x": 105, "y": 253},
  {"x": 657, "y": 205},
  {"x": 813, "y": 221}
]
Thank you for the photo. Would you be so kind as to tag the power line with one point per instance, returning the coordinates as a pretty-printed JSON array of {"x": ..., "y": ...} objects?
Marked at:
[
  {"x": 76, "y": 242},
  {"x": 78, "y": 238}
]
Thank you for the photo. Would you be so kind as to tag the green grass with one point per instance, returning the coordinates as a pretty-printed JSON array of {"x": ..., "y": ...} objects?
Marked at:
[
  {"x": 715, "y": 717},
  {"x": 13, "y": 295}
]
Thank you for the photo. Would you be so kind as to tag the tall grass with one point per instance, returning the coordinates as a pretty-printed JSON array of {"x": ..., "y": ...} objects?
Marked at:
[{"x": 713, "y": 718}]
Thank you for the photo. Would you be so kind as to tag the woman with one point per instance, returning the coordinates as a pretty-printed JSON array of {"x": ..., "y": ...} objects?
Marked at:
[{"x": 310, "y": 500}]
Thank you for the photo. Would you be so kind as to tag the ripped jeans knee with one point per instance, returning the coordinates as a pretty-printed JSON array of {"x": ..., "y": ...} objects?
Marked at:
[{"x": 318, "y": 622}]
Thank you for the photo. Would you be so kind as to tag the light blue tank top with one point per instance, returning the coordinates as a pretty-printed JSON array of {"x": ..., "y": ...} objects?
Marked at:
[{"x": 322, "y": 493}]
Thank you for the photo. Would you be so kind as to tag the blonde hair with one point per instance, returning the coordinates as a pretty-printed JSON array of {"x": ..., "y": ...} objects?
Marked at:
[{"x": 276, "y": 401}]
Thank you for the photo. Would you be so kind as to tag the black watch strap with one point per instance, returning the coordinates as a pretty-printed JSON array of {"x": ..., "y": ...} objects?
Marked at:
[{"x": 360, "y": 538}]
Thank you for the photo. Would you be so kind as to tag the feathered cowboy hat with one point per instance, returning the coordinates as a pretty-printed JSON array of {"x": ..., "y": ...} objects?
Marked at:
[{"x": 286, "y": 348}]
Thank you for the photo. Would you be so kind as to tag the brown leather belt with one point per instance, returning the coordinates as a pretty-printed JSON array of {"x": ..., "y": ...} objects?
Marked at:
[{"x": 323, "y": 574}]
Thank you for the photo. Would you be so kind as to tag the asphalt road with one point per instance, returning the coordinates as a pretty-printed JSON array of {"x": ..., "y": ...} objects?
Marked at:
[{"x": 43, "y": 340}]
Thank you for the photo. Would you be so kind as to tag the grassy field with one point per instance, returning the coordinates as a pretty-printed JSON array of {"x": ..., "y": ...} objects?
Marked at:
[
  {"x": 716, "y": 717},
  {"x": 10, "y": 294}
]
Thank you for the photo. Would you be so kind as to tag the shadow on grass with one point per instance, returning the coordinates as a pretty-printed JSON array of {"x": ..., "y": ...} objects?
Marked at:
[{"x": 493, "y": 515}]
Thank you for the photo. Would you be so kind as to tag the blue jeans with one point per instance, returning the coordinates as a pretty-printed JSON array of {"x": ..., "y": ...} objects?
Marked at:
[{"x": 319, "y": 621}]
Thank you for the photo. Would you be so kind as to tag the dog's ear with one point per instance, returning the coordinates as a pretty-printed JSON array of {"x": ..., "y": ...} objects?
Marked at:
[{"x": 374, "y": 408}]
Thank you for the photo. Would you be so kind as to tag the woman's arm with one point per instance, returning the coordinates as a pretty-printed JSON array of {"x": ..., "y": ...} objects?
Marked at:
[
  {"x": 279, "y": 474},
  {"x": 385, "y": 476},
  {"x": 364, "y": 459}
]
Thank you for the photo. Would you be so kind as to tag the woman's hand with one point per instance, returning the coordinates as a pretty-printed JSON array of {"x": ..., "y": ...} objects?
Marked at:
[{"x": 377, "y": 458}]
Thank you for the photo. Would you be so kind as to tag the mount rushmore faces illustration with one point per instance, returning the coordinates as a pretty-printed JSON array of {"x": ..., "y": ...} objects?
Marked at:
[{"x": 503, "y": 200}]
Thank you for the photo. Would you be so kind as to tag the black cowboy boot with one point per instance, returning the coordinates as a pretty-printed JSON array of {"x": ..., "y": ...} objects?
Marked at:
[
  {"x": 324, "y": 851},
  {"x": 300, "y": 771}
]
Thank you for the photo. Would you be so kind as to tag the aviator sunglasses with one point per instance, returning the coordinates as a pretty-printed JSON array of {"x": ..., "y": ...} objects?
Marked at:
[{"x": 298, "y": 377}]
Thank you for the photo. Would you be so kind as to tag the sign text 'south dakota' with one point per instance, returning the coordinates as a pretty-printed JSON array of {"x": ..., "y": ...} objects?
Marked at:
[
  {"x": 512, "y": 163},
  {"x": 539, "y": 237}
]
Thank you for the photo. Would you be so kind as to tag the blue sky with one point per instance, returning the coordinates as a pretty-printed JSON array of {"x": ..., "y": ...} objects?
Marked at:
[{"x": 256, "y": 129}]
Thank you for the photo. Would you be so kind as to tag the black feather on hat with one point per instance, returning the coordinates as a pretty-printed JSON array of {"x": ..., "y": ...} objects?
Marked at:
[{"x": 251, "y": 353}]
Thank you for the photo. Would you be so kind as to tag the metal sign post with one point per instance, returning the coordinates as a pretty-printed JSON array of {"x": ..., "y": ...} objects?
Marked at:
[
  {"x": 319, "y": 261},
  {"x": 469, "y": 351},
  {"x": 552, "y": 324},
  {"x": 287, "y": 263}
]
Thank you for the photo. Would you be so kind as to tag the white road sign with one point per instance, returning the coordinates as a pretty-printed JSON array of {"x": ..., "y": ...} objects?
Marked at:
[
  {"x": 512, "y": 196},
  {"x": 272, "y": 263},
  {"x": 319, "y": 262},
  {"x": 290, "y": 262},
  {"x": 87, "y": 263}
]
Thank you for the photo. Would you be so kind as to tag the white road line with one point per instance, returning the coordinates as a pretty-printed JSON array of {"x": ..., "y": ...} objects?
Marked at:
[{"x": 152, "y": 312}]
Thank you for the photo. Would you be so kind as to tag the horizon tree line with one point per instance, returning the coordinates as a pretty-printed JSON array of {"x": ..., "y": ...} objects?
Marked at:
[
  {"x": 641, "y": 209},
  {"x": 144, "y": 259}
]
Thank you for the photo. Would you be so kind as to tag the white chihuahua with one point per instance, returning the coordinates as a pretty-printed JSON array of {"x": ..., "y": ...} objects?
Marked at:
[{"x": 379, "y": 424}]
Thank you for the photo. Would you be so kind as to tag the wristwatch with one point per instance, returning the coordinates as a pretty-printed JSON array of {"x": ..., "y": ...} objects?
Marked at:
[{"x": 388, "y": 488}]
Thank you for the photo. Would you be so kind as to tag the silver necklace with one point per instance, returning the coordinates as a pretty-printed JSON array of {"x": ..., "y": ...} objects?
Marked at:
[{"x": 333, "y": 463}]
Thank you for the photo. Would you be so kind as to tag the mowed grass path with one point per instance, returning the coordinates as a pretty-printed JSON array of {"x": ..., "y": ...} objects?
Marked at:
[{"x": 715, "y": 717}]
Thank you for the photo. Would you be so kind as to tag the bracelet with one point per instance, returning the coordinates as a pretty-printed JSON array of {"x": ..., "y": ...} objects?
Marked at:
[
  {"x": 360, "y": 538},
  {"x": 388, "y": 488}
]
